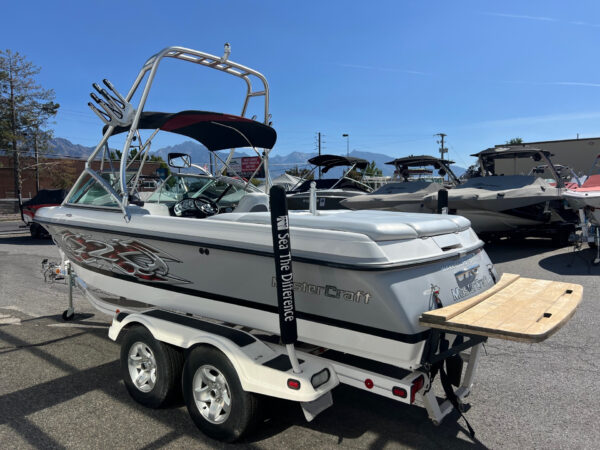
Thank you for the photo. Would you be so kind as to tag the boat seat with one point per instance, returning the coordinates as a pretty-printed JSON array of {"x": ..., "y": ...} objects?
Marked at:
[
  {"x": 253, "y": 202},
  {"x": 157, "y": 209}
]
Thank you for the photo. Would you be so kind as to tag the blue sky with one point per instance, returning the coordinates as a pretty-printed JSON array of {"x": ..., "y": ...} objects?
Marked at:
[{"x": 390, "y": 74}]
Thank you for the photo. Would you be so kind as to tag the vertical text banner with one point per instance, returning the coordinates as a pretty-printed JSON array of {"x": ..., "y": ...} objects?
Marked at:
[{"x": 282, "y": 251}]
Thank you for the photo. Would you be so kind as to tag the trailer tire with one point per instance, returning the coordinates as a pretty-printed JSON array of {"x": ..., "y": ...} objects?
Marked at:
[
  {"x": 210, "y": 379},
  {"x": 150, "y": 369}
]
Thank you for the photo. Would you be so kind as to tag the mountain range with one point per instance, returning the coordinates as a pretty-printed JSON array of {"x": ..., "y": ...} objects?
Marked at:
[{"x": 60, "y": 147}]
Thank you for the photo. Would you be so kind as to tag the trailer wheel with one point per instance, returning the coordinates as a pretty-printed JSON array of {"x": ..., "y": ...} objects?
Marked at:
[
  {"x": 212, "y": 391},
  {"x": 151, "y": 369}
]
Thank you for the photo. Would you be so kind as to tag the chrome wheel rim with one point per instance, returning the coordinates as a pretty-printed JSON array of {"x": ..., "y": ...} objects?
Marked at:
[
  {"x": 212, "y": 394},
  {"x": 142, "y": 366}
]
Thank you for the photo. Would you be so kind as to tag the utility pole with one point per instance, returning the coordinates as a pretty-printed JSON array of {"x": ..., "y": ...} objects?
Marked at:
[
  {"x": 443, "y": 150},
  {"x": 319, "y": 133}
]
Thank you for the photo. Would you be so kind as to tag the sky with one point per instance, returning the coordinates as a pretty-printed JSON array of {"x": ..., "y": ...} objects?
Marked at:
[{"x": 390, "y": 74}]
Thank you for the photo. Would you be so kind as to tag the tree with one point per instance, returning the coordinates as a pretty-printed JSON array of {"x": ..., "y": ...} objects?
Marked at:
[
  {"x": 25, "y": 107},
  {"x": 370, "y": 171},
  {"x": 515, "y": 141},
  {"x": 63, "y": 173},
  {"x": 373, "y": 171}
]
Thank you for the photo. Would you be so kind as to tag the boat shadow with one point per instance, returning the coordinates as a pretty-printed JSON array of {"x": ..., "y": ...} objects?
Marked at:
[
  {"x": 358, "y": 419},
  {"x": 25, "y": 239},
  {"x": 18, "y": 406},
  {"x": 576, "y": 262},
  {"x": 506, "y": 250}
]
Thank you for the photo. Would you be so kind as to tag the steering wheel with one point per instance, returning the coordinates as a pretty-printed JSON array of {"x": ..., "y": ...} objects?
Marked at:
[
  {"x": 200, "y": 207},
  {"x": 206, "y": 206}
]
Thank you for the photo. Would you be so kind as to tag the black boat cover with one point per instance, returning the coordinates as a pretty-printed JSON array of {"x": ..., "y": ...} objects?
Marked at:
[
  {"x": 47, "y": 197},
  {"x": 330, "y": 161},
  {"x": 418, "y": 161},
  {"x": 510, "y": 152},
  {"x": 216, "y": 131}
]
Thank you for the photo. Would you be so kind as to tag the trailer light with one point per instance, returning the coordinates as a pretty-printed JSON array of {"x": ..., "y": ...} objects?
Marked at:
[
  {"x": 293, "y": 384},
  {"x": 399, "y": 392},
  {"x": 320, "y": 378},
  {"x": 369, "y": 383},
  {"x": 417, "y": 385}
]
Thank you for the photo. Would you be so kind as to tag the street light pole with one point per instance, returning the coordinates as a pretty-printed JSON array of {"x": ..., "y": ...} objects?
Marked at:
[{"x": 347, "y": 136}]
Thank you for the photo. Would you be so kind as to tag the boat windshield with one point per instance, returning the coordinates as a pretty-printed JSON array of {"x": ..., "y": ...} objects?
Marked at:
[{"x": 227, "y": 192}]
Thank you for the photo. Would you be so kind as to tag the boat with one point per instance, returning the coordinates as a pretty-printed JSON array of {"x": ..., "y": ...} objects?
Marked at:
[
  {"x": 416, "y": 181},
  {"x": 356, "y": 272},
  {"x": 287, "y": 181},
  {"x": 201, "y": 272},
  {"x": 586, "y": 196},
  {"x": 330, "y": 191},
  {"x": 498, "y": 204},
  {"x": 567, "y": 175},
  {"x": 361, "y": 278},
  {"x": 44, "y": 198}
]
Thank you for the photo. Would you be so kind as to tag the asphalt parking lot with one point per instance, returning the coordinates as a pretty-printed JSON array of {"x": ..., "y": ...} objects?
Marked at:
[{"x": 60, "y": 385}]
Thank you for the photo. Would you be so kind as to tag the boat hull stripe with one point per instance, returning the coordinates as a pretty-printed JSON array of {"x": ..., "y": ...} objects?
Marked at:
[{"x": 387, "y": 334}]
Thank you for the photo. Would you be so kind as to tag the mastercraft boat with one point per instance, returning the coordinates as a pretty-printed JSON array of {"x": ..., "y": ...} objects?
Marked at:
[
  {"x": 204, "y": 247},
  {"x": 418, "y": 176},
  {"x": 203, "y": 244},
  {"x": 189, "y": 274},
  {"x": 330, "y": 191}
]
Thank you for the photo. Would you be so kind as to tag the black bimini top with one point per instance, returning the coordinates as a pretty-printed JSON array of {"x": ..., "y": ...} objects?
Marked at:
[
  {"x": 417, "y": 161},
  {"x": 216, "y": 131},
  {"x": 330, "y": 161}
]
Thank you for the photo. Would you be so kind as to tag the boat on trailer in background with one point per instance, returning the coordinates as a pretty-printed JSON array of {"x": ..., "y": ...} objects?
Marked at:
[
  {"x": 193, "y": 289},
  {"x": 418, "y": 177},
  {"x": 585, "y": 198},
  {"x": 331, "y": 192},
  {"x": 512, "y": 205}
]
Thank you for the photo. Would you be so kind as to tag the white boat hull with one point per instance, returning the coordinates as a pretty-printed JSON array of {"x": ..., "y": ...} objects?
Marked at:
[
  {"x": 587, "y": 200},
  {"x": 367, "y": 309}
]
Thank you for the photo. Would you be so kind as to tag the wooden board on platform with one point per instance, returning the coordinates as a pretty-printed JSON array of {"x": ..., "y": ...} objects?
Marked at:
[{"x": 519, "y": 309}]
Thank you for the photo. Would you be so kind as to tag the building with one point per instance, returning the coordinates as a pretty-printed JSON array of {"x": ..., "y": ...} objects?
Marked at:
[
  {"x": 55, "y": 173},
  {"x": 578, "y": 154}
]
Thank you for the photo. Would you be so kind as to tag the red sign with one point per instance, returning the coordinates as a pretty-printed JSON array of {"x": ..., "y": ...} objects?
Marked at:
[{"x": 246, "y": 166}]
